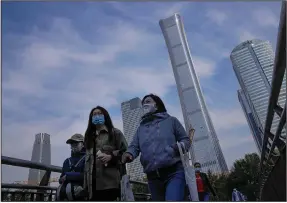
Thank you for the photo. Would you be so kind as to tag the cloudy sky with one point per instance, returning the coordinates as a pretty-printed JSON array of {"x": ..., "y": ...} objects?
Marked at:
[{"x": 61, "y": 59}]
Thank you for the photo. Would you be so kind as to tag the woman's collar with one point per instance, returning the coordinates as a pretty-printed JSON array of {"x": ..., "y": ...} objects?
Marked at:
[{"x": 102, "y": 128}]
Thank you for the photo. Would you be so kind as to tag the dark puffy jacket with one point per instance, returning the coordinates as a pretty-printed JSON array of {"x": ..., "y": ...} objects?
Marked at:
[{"x": 77, "y": 176}]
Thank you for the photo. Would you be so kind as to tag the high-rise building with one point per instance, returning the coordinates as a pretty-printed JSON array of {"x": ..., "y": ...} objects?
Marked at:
[
  {"x": 131, "y": 114},
  {"x": 41, "y": 153},
  {"x": 205, "y": 146},
  {"x": 254, "y": 127},
  {"x": 253, "y": 62}
]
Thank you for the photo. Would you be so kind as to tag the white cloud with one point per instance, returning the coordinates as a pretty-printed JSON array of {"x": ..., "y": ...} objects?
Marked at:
[
  {"x": 228, "y": 141},
  {"x": 70, "y": 74},
  {"x": 265, "y": 17},
  {"x": 214, "y": 48},
  {"x": 216, "y": 16},
  {"x": 204, "y": 67},
  {"x": 169, "y": 10},
  {"x": 246, "y": 35},
  {"x": 94, "y": 80},
  {"x": 159, "y": 11},
  {"x": 227, "y": 118}
]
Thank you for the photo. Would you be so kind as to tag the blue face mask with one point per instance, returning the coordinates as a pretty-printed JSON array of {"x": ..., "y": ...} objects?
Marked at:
[
  {"x": 197, "y": 170},
  {"x": 98, "y": 119}
]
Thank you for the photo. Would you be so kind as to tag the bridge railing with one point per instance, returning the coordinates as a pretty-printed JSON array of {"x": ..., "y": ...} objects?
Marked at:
[
  {"x": 42, "y": 191},
  {"x": 274, "y": 144}
]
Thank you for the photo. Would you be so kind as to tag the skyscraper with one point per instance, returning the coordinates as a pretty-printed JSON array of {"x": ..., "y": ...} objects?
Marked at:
[
  {"x": 253, "y": 62},
  {"x": 205, "y": 146},
  {"x": 41, "y": 153},
  {"x": 254, "y": 127},
  {"x": 131, "y": 114}
]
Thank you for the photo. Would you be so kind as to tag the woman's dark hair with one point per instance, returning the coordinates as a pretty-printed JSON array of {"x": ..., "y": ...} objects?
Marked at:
[
  {"x": 91, "y": 129},
  {"x": 159, "y": 103}
]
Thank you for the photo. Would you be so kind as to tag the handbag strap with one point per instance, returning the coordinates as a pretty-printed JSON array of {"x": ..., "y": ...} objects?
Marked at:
[{"x": 73, "y": 167}]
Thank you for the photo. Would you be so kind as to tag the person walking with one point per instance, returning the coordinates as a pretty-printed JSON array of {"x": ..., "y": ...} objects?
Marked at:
[
  {"x": 203, "y": 185},
  {"x": 72, "y": 176},
  {"x": 156, "y": 139},
  {"x": 105, "y": 145}
]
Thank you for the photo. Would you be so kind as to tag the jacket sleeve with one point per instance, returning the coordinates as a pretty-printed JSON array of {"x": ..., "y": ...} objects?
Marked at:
[
  {"x": 75, "y": 176},
  {"x": 208, "y": 184},
  {"x": 79, "y": 174},
  {"x": 65, "y": 169},
  {"x": 121, "y": 146},
  {"x": 134, "y": 147},
  {"x": 180, "y": 135}
]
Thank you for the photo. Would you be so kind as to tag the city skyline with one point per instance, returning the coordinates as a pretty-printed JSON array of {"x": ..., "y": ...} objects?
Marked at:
[
  {"x": 41, "y": 153},
  {"x": 205, "y": 147},
  {"x": 253, "y": 62},
  {"x": 61, "y": 59},
  {"x": 131, "y": 115}
]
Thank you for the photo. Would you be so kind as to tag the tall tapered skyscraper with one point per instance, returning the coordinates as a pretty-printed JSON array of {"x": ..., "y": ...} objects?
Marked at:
[
  {"x": 41, "y": 153},
  {"x": 253, "y": 62},
  {"x": 131, "y": 114},
  {"x": 205, "y": 146}
]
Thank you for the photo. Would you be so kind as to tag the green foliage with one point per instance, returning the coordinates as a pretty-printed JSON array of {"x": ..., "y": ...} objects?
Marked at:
[
  {"x": 218, "y": 182},
  {"x": 244, "y": 176}
]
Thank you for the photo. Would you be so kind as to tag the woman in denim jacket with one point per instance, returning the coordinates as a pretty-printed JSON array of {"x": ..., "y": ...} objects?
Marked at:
[{"x": 156, "y": 139}]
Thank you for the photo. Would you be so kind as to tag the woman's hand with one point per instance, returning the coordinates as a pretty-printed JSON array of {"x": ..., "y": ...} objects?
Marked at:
[
  {"x": 105, "y": 158},
  {"x": 127, "y": 158},
  {"x": 62, "y": 180}
]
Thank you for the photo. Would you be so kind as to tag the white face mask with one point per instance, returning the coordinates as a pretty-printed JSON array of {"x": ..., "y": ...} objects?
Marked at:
[
  {"x": 149, "y": 108},
  {"x": 77, "y": 147}
]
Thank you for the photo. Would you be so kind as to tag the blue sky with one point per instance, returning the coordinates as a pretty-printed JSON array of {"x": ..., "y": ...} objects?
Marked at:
[{"x": 60, "y": 59}]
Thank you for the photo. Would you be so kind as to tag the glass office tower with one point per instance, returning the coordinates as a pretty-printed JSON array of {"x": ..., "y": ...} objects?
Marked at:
[
  {"x": 41, "y": 153},
  {"x": 253, "y": 62},
  {"x": 254, "y": 127},
  {"x": 131, "y": 114}
]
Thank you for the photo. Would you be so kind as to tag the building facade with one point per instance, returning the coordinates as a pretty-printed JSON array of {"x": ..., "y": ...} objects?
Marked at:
[
  {"x": 253, "y": 63},
  {"x": 254, "y": 127},
  {"x": 131, "y": 115},
  {"x": 41, "y": 153},
  {"x": 205, "y": 145}
]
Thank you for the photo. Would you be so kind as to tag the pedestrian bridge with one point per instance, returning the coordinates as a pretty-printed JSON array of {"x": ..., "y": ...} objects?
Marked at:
[
  {"x": 42, "y": 191},
  {"x": 273, "y": 156}
]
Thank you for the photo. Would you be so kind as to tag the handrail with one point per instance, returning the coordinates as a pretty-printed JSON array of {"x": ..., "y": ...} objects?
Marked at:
[
  {"x": 278, "y": 74},
  {"x": 30, "y": 164},
  {"x": 268, "y": 157},
  {"x": 28, "y": 187}
]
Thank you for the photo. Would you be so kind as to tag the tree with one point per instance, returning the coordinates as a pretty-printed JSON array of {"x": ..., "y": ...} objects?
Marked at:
[
  {"x": 218, "y": 182},
  {"x": 244, "y": 176}
]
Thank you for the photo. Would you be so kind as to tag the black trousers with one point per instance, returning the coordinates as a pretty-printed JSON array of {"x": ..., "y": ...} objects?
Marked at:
[{"x": 105, "y": 195}]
